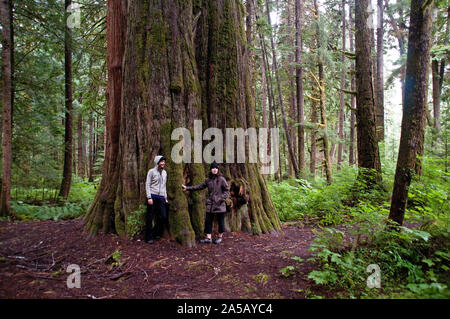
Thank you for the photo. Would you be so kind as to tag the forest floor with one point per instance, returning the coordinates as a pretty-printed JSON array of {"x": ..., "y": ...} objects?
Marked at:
[{"x": 34, "y": 257}]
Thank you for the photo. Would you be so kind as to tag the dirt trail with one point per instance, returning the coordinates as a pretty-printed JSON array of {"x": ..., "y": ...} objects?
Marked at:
[{"x": 34, "y": 257}]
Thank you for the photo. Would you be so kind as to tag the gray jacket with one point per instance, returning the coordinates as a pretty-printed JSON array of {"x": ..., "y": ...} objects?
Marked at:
[{"x": 156, "y": 181}]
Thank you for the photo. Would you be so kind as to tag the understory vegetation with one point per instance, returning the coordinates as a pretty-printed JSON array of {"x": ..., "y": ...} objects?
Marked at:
[{"x": 353, "y": 233}]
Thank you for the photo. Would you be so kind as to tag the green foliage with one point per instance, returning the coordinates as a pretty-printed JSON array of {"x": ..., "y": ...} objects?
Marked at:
[
  {"x": 82, "y": 191},
  {"x": 287, "y": 271},
  {"x": 26, "y": 212},
  {"x": 413, "y": 262},
  {"x": 298, "y": 199},
  {"x": 136, "y": 222}
]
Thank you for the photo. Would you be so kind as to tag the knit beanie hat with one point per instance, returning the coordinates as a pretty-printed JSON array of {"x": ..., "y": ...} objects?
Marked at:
[{"x": 214, "y": 165}]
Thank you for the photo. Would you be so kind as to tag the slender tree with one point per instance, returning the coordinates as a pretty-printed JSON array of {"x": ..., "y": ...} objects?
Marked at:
[
  {"x": 320, "y": 81},
  {"x": 68, "y": 138},
  {"x": 293, "y": 158},
  {"x": 380, "y": 73},
  {"x": 368, "y": 152},
  {"x": 7, "y": 102},
  {"x": 299, "y": 85},
  {"x": 351, "y": 150},
  {"x": 414, "y": 104},
  {"x": 341, "y": 97}
]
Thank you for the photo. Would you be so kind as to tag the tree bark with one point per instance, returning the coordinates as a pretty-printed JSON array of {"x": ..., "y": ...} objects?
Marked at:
[
  {"x": 91, "y": 149},
  {"x": 292, "y": 99},
  {"x": 414, "y": 105},
  {"x": 438, "y": 71},
  {"x": 341, "y": 97},
  {"x": 7, "y": 103},
  {"x": 67, "y": 170},
  {"x": 80, "y": 149},
  {"x": 322, "y": 100},
  {"x": 299, "y": 86},
  {"x": 351, "y": 151},
  {"x": 102, "y": 214},
  {"x": 380, "y": 73},
  {"x": 368, "y": 152},
  {"x": 184, "y": 61}
]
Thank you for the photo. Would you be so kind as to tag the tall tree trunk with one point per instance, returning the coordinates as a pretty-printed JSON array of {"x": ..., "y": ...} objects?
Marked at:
[
  {"x": 321, "y": 86},
  {"x": 380, "y": 73},
  {"x": 273, "y": 122},
  {"x": 351, "y": 151},
  {"x": 280, "y": 97},
  {"x": 67, "y": 171},
  {"x": 313, "y": 136},
  {"x": 438, "y": 71},
  {"x": 6, "y": 17},
  {"x": 368, "y": 152},
  {"x": 81, "y": 150},
  {"x": 299, "y": 86},
  {"x": 414, "y": 104},
  {"x": 91, "y": 149},
  {"x": 185, "y": 61},
  {"x": 292, "y": 100},
  {"x": 341, "y": 97},
  {"x": 102, "y": 214}
]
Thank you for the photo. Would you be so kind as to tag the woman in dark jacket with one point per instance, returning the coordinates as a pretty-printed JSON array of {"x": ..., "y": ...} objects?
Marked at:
[{"x": 218, "y": 191}]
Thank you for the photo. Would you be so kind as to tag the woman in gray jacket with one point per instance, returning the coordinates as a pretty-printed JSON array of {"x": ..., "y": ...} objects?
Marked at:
[{"x": 218, "y": 191}]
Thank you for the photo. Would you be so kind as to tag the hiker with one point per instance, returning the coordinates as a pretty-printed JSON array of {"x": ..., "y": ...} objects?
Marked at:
[
  {"x": 155, "y": 187},
  {"x": 218, "y": 191}
]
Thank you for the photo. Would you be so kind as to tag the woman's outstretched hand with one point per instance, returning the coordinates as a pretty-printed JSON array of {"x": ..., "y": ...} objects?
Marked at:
[{"x": 183, "y": 187}]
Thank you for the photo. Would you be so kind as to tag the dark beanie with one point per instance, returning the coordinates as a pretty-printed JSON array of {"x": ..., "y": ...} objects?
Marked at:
[
  {"x": 162, "y": 159},
  {"x": 214, "y": 165}
]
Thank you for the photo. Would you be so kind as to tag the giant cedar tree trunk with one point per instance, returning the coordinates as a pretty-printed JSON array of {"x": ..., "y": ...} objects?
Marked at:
[
  {"x": 414, "y": 104},
  {"x": 183, "y": 61},
  {"x": 368, "y": 152}
]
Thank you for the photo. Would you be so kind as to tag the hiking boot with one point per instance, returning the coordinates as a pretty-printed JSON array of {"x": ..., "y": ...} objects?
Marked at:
[
  {"x": 218, "y": 240},
  {"x": 206, "y": 241}
]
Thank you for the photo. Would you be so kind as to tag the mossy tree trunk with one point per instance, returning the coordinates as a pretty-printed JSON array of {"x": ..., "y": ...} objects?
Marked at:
[
  {"x": 322, "y": 98},
  {"x": 183, "y": 61}
]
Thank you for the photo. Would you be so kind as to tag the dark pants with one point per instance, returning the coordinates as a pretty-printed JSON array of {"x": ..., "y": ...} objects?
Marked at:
[
  {"x": 157, "y": 211},
  {"x": 210, "y": 219}
]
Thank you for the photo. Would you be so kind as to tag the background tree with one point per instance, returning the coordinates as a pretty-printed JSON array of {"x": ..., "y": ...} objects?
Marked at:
[
  {"x": 368, "y": 152},
  {"x": 6, "y": 16},
  {"x": 414, "y": 104},
  {"x": 68, "y": 137}
]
